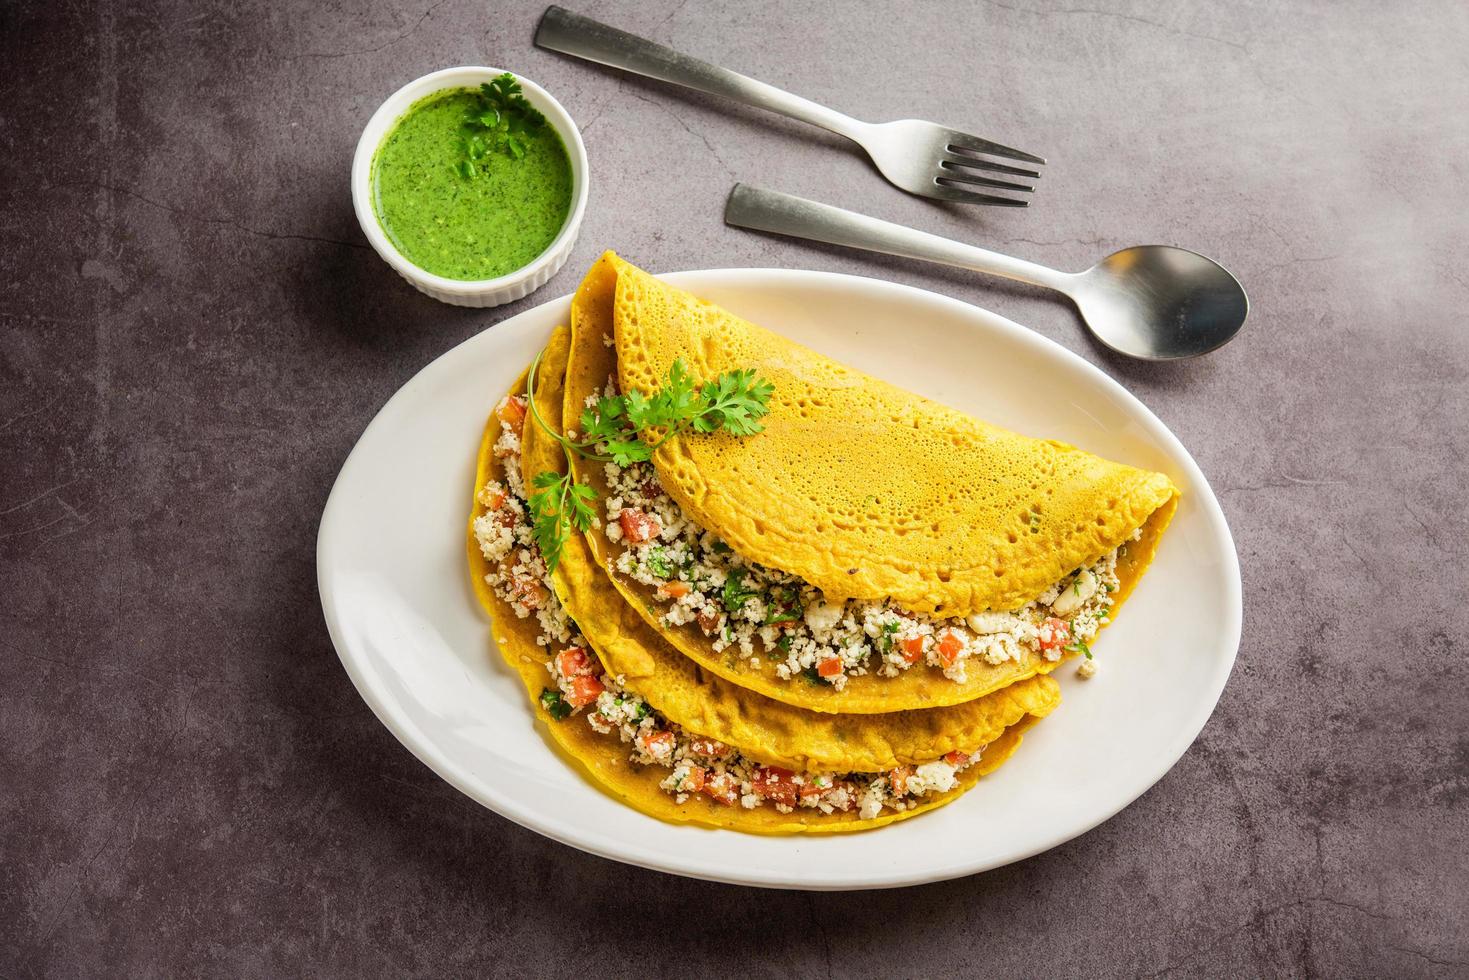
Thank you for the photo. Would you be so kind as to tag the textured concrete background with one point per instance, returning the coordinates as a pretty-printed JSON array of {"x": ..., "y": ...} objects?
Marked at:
[{"x": 194, "y": 334}]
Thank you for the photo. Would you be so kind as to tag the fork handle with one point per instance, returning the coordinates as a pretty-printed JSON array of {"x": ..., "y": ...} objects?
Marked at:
[
  {"x": 570, "y": 33},
  {"x": 786, "y": 214}
]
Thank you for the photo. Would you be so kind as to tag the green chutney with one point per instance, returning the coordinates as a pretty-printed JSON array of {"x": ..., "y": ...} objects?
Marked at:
[{"x": 461, "y": 227}]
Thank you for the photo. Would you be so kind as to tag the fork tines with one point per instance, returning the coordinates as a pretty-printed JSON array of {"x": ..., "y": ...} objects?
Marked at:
[{"x": 963, "y": 155}]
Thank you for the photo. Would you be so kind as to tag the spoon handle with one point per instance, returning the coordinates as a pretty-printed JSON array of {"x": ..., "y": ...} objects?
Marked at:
[{"x": 785, "y": 214}]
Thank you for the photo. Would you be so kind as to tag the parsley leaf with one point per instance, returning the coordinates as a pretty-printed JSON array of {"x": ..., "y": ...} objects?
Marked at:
[
  {"x": 606, "y": 424},
  {"x": 558, "y": 505},
  {"x": 497, "y": 120},
  {"x": 583, "y": 514},
  {"x": 605, "y": 421},
  {"x": 733, "y": 402},
  {"x": 736, "y": 400},
  {"x": 678, "y": 400},
  {"x": 1080, "y": 647}
]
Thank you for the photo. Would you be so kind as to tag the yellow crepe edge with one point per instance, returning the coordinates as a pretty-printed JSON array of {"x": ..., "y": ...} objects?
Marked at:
[
  {"x": 864, "y": 694},
  {"x": 605, "y": 762},
  {"x": 825, "y": 564},
  {"x": 762, "y": 728}
]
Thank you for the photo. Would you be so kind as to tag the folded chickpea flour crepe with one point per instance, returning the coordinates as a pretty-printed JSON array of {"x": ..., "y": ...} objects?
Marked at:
[
  {"x": 748, "y": 507},
  {"x": 653, "y": 729}
]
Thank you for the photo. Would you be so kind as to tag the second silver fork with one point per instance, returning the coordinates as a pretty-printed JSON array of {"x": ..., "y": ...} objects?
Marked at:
[{"x": 917, "y": 156}]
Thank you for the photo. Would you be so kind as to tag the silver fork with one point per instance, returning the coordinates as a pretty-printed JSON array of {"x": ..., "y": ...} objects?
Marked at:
[{"x": 920, "y": 157}]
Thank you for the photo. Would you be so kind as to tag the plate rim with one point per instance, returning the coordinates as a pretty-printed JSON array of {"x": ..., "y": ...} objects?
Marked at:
[{"x": 643, "y": 855}]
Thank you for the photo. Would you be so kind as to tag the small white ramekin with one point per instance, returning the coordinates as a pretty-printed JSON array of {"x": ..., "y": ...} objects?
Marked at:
[{"x": 482, "y": 292}]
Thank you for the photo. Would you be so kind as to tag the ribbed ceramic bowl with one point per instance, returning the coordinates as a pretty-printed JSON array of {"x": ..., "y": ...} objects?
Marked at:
[{"x": 481, "y": 292}]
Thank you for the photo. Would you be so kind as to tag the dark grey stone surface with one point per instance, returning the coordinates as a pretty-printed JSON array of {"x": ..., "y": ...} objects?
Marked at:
[{"x": 194, "y": 334}]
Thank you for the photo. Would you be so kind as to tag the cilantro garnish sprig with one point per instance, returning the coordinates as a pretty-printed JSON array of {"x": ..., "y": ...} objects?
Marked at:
[
  {"x": 558, "y": 505},
  {"x": 631, "y": 427},
  {"x": 497, "y": 122}
]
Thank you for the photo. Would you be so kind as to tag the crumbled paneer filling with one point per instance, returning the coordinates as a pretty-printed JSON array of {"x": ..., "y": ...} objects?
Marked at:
[
  {"x": 711, "y": 768},
  {"x": 760, "y": 615},
  {"x": 504, "y": 534},
  {"x": 580, "y": 689}
]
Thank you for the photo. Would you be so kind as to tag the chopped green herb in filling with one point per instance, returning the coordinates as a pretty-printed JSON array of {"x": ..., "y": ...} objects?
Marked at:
[
  {"x": 777, "y": 621},
  {"x": 698, "y": 766},
  {"x": 555, "y": 704}
]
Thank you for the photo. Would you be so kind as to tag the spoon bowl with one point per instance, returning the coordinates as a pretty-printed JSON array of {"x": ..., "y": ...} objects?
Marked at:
[
  {"x": 1159, "y": 303},
  {"x": 1152, "y": 302}
]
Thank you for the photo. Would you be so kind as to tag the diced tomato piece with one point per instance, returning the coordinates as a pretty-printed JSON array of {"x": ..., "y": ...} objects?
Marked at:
[
  {"x": 638, "y": 526},
  {"x": 493, "y": 498},
  {"x": 776, "y": 784},
  {"x": 694, "y": 781},
  {"x": 1055, "y": 633},
  {"x": 722, "y": 788},
  {"x": 512, "y": 412},
  {"x": 584, "y": 691},
  {"x": 574, "y": 661},
  {"x": 957, "y": 758},
  {"x": 898, "y": 779},
  {"x": 523, "y": 588},
  {"x": 674, "y": 589},
  {"x": 709, "y": 748},
  {"x": 657, "y": 744},
  {"x": 948, "y": 648},
  {"x": 830, "y": 667},
  {"x": 912, "y": 649},
  {"x": 708, "y": 620},
  {"x": 808, "y": 789},
  {"x": 531, "y": 594}
]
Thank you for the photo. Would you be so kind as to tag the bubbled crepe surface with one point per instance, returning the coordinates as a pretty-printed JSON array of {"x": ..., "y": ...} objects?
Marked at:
[
  {"x": 761, "y": 728},
  {"x": 605, "y": 759},
  {"x": 591, "y": 363},
  {"x": 863, "y": 489}
]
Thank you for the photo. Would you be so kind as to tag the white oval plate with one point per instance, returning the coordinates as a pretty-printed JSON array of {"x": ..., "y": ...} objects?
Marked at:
[{"x": 394, "y": 588}]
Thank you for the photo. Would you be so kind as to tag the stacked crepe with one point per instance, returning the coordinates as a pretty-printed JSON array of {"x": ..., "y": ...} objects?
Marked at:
[{"x": 843, "y": 620}]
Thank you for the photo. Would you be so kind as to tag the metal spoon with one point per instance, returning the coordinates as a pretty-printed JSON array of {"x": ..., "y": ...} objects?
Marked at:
[{"x": 1154, "y": 302}]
